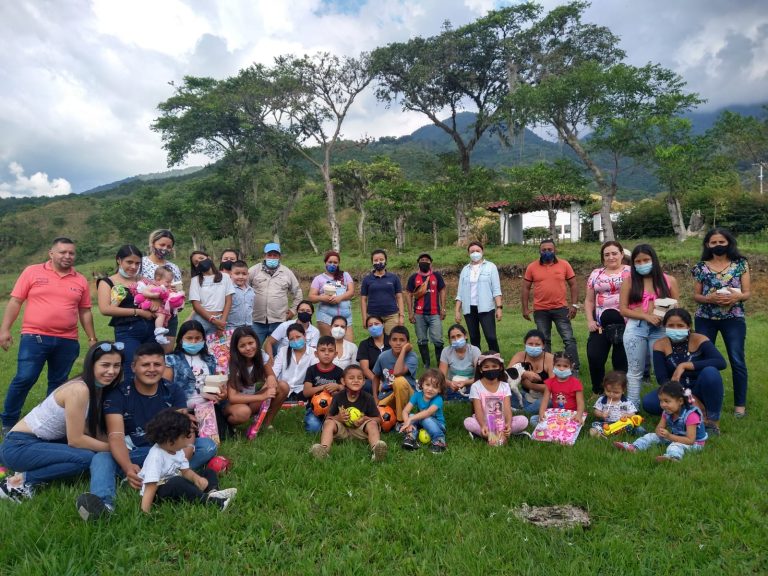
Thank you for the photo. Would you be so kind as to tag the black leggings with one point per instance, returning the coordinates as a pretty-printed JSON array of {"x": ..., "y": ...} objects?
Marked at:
[
  {"x": 598, "y": 347},
  {"x": 179, "y": 488},
  {"x": 487, "y": 320}
]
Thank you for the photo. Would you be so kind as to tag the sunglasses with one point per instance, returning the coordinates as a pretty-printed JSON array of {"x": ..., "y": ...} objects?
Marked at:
[{"x": 109, "y": 346}]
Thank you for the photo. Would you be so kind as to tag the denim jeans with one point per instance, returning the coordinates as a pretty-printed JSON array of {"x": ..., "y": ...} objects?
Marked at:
[
  {"x": 487, "y": 320},
  {"x": 734, "y": 331},
  {"x": 708, "y": 388},
  {"x": 132, "y": 335},
  {"x": 312, "y": 424},
  {"x": 639, "y": 337},
  {"x": 429, "y": 328},
  {"x": 544, "y": 320},
  {"x": 527, "y": 407},
  {"x": 263, "y": 330},
  {"x": 34, "y": 351},
  {"x": 43, "y": 460},
  {"x": 675, "y": 450},
  {"x": 598, "y": 349},
  {"x": 104, "y": 467},
  {"x": 433, "y": 426}
]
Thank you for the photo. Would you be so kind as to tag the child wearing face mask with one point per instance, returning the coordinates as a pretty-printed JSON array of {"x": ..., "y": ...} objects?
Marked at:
[
  {"x": 562, "y": 391},
  {"x": 346, "y": 351},
  {"x": 278, "y": 340},
  {"x": 190, "y": 362},
  {"x": 457, "y": 363},
  {"x": 210, "y": 292},
  {"x": 489, "y": 389}
]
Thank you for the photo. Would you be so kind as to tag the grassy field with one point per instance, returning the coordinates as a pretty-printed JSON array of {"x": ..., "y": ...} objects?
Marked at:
[{"x": 420, "y": 513}]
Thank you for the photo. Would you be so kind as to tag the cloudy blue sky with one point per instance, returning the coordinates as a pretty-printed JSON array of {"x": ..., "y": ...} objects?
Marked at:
[{"x": 80, "y": 79}]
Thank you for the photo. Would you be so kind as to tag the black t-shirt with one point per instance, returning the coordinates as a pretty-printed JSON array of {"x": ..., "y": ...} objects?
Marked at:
[
  {"x": 138, "y": 409},
  {"x": 365, "y": 403},
  {"x": 367, "y": 350},
  {"x": 319, "y": 377}
]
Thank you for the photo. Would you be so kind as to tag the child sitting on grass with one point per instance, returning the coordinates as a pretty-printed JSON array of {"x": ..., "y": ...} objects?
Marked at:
[
  {"x": 324, "y": 376},
  {"x": 353, "y": 414},
  {"x": 166, "y": 474},
  {"x": 680, "y": 429},
  {"x": 563, "y": 391},
  {"x": 613, "y": 404},
  {"x": 429, "y": 413}
]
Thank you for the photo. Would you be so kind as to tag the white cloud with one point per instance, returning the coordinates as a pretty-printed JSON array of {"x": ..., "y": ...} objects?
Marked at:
[{"x": 33, "y": 186}]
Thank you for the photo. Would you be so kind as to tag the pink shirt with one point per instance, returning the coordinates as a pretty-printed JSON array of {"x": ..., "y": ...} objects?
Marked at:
[
  {"x": 53, "y": 302},
  {"x": 606, "y": 287}
]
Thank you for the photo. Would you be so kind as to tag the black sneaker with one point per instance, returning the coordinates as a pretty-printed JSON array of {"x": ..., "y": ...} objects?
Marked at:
[
  {"x": 438, "y": 447},
  {"x": 8, "y": 492},
  {"x": 91, "y": 507},
  {"x": 410, "y": 443}
]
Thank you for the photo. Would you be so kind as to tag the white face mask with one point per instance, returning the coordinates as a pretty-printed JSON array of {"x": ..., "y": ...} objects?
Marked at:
[
  {"x": 475, "y": 256},
  {"x": 338, "y": 332}
]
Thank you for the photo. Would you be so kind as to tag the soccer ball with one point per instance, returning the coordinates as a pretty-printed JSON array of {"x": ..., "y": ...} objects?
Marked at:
[
  {"x": 321, "y": 403},
  {"x": 219, "y": 464},
  {"x": 354, "y": 416},
  {"x": 388, "y": 418},
  {"x": 424, "y": 436}
]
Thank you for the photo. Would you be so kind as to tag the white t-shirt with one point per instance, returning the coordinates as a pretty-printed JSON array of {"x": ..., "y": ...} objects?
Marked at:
[
  {"x": 160, "y": 466},
  {"x": 479, "y": 392},
  {"x": 200, "y": 371},
  {"x": 211, "y": 295},
  {"x": 294, "y": 373},
  {"x": 280, "y": 334},
  {"x": 348, "y": 355},
  {"x": 252, "y": 388}
]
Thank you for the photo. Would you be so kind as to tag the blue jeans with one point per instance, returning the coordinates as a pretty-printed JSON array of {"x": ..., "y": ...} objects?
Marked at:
[
  {"x": 433, "y": 426},
  {"x": 104, "y": 467},
  {"x": 265, "y": 329},
  {"x": 43, "y": 460},
  {"x": 527, "y": 407},
  {"x": 708, "y": 388},
  {"x": 133, "y": 335},
  {"x": 734, "y": 331},
  {"x": 429, "y": 328},
  {"x": 34, "y": 351},
  {"x": 312, "y": 424},
  {"x": 675, "y": 450},
  {"x": 544, "y": 320},
  {"x": 639, "y": 338}
]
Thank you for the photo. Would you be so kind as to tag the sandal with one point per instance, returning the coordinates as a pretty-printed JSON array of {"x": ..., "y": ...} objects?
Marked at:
[{"x": 737, "y": 414}]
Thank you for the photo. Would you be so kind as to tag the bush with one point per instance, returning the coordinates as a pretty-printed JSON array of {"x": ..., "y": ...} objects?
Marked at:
[{"x": 648, "y": 219}]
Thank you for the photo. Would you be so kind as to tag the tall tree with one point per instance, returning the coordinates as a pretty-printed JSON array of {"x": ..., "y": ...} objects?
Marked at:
[
  {"x": 459, "y": 69},
  {"x": 319, "y": 91}
]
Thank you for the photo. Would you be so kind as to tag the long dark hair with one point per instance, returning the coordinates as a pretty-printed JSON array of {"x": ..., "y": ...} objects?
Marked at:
[
  {"x": 339, "y": 274},
  {"x": 733, "y": 251},
  {"x": 239, "y": 375},
  {"x": 95, "y": 416},
  {"x": 128, "y": 250},
  {"x": 660, "y": 287},
  {"x": 188, "y": 326},
  {"x": 681, "y": 313},
  {"x": 198, "y": 273}
]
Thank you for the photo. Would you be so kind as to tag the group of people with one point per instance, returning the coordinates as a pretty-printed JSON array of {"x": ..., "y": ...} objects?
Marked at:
[{"x": 120, "y": 416}]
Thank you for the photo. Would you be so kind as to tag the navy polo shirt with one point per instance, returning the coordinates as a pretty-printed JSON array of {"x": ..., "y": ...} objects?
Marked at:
[{"x": 381, "y": 292}]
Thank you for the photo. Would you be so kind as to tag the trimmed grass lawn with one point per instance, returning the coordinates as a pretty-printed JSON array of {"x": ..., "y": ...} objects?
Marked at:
[{"x": 420, "y": 513}]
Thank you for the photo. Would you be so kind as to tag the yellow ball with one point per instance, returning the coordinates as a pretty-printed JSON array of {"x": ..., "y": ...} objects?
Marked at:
[
  {"x": 424, "y": 436},
  {"x": 354, "y": 416}
]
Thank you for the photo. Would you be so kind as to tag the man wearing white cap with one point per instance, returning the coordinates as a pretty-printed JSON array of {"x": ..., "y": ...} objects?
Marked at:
[{"x": 272, "y": 284}]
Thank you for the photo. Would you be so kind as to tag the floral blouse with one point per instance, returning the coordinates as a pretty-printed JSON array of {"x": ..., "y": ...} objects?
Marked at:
[{"x": 712, "y": 281}]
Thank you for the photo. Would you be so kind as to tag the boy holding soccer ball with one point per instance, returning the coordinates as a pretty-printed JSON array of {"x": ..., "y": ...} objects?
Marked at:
[{"x": 353, "y": 414}]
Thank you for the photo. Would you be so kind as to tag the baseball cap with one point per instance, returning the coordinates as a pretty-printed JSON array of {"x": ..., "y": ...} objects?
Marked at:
[{"x": 271, "y": 247}]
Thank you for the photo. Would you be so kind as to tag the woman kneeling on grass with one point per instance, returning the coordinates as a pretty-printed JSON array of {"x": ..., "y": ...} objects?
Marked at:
[{"x": 59, "y": 437}]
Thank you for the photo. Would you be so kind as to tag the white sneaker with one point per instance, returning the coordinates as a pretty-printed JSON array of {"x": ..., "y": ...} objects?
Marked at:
[
  {"x": 225, "y": 493},
  {"x": 15, "y": 494},
  {"x": 379, "y": 451}
]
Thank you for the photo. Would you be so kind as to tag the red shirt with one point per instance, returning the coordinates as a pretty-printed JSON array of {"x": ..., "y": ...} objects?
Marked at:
[
  {"x": 549, "y": 283},
  {"x": 53, "y": 302},
  {"x": 563, "y": 393}
]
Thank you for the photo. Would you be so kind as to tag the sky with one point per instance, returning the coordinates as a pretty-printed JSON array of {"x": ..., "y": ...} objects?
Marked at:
[{"x": 80, "y": 80}]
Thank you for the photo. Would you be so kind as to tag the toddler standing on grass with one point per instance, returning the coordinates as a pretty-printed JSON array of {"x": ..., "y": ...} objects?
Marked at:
[
  {"x": 429, "y": 413},
  {"x": 166, "y": 474},
  {"x": 613, "y": 405},
  {"x": 680, "y": 429},
  {"x": 353, "y": 414}
]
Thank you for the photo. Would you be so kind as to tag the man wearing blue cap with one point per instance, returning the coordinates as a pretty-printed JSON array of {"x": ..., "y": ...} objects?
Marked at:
[{"x": 272, "y": 284}]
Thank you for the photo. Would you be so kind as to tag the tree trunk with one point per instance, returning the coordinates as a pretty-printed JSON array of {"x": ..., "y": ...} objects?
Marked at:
[
  {"x": 676, "y": 215},
  {"x": 400, "y": 233},
  {"x": 553, "y": 224},
  {"x": 361, "y": 225},
  {"x": 330, "y": 198},
  {"x": 462, "y": 219},
  {"x": 311, "y": 241},
  {"x": 434, "y": 235}
]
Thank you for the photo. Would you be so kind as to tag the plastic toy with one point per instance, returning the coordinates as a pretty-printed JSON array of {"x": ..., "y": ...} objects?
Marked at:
[
  {"x": 388, "y": 418},
  {"x": 625, "y": 423},
  {"x": 354, "y": 416},
  {"x": 3, "y": 472},
  {"x": 321, "y": 403},
  {"x": 424, "y": 436}
]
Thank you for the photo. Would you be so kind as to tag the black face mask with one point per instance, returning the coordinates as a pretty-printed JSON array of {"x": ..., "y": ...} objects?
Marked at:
[
  {"x": 305, "y": 317},
  {"x": 491, "y": 374},
  {"x": 424, "y": 267},
  {"x": 720, "y": 250},
  {"x": 226, "y": 265},
  {"x": 204, "y": 265}
]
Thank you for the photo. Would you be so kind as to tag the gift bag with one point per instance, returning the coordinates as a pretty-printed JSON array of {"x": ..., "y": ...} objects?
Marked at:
[
  {"x": 218, "y": 345},
  {"x": 205, "y": 413}
]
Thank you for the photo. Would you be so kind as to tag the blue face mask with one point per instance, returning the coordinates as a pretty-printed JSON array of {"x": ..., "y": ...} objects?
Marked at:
[
  {"x": 296, "y": 344},
  {"x": 331, "y": 268},
  {"x": 533, "y": 351},
  {"x": 272, "y": 263},
  {"x": 644, "y": 269},
  {"x": 192, "y": 347},
  {"x": 547, "y": 256},
  {"x": 676, "y": 334},
  {"x": 476, "y": 256},
  {"x": 561, "y": 373},
  {"x": 460, "y": 343},
  {"x": 124, "y": 274},
  {"x": 376, "y": 330}
]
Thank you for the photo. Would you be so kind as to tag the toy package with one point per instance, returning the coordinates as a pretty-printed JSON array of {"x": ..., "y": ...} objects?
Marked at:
[
  {"x": 559, "y": 426},
  {"x": 494, "y": 417},
  {"x": 206, "y": 421},
  {"x": 218, "y": 345}
]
